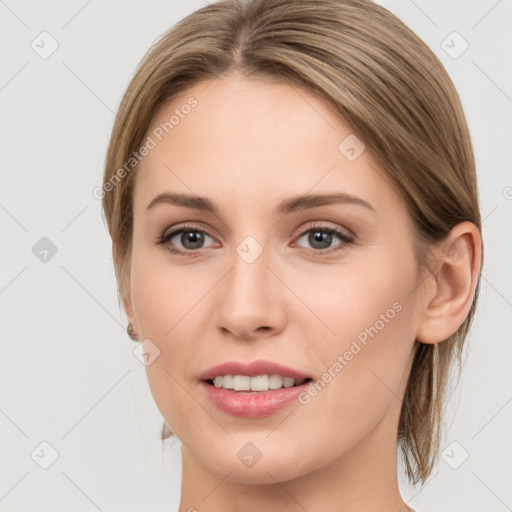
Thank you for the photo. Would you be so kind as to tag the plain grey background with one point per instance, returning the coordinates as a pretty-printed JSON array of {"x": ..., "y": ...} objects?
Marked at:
[{"x": 68, "y": 376}]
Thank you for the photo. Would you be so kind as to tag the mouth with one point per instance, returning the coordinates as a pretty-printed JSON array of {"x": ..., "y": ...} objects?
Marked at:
[
  {"x": 253, "y": 397},
  {"x": 255, "y": 384},
  {"x": 253, "y": 390}
]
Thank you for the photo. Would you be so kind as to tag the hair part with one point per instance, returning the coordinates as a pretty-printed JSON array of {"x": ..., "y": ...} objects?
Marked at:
[{"x": 379, "y": 77}]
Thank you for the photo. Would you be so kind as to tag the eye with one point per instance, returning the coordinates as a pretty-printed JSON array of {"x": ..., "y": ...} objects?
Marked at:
[
  {"x": 321, "y": 238},
  {"x": 191, "y": 238},
  {"x": 185, "y": 239}
]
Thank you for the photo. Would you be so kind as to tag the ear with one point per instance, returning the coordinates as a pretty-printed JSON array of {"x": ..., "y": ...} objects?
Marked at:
[
  {"x": 127, "y": 303},
  {"x": 454, "y": 279}
]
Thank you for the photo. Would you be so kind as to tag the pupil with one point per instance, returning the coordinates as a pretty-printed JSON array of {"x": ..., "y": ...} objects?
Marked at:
[
  {"x": 319, "y": 237},
  {"x": 192, "y": 237}
]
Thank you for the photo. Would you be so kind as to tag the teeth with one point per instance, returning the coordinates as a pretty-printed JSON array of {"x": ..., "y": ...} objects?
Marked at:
[{"x": 258, "y": 383}]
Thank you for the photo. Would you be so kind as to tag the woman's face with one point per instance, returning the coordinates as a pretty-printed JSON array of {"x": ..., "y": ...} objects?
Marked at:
[{"x": 255, "y": 282}]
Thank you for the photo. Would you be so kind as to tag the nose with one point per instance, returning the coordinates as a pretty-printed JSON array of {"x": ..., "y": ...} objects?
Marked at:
[{"x": 250, "y": 300}]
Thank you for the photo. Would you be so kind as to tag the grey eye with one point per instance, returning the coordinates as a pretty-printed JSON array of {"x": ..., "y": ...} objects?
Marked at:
[
  {"x": 190, "y": 239},
  {"x": 321, "y": 238}
]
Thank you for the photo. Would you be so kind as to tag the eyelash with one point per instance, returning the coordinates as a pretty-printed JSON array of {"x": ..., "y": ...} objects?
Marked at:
[{"x": 345, "y": 239}]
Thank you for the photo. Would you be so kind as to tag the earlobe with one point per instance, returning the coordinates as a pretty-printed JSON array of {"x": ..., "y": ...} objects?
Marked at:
[
  {"x": 127, "y": 303},
  {"x": 457, "y": 267},
  {"x": 131, "y": 328}
]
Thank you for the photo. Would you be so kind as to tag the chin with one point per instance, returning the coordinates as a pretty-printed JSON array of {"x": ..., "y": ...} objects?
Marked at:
[{"x": 264, "y": 465}]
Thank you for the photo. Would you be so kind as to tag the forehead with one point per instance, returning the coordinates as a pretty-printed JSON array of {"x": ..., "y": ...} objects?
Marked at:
[{"x": 241, "y": 139}]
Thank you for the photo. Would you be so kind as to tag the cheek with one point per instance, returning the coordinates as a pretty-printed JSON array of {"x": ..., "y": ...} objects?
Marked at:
[
  {"x": 364, "y": 372},
  {"x": 165, "y": 311},
  {"x": 167, "y": 303},
  {"x": 349, "y": 300},
  {"x": 367, "y": 325},
  {"x": 163, "y": 295}
]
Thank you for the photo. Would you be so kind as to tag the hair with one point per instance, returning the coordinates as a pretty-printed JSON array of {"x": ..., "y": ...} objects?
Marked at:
[{"x": 380, "y": 78}]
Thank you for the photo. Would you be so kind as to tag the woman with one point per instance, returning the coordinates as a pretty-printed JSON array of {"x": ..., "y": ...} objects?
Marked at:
[{"x": 291, "y": 193}]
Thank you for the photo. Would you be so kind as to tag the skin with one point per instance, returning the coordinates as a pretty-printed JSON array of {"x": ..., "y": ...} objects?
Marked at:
[{"x": 247, "y": 145}]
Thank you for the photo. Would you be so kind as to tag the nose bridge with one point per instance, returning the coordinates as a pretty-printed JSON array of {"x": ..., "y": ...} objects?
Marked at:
[
  {"x": 250, "y": 257},
  {"x": 248, "y": 279},
  {"x": 249, "y": 295}
]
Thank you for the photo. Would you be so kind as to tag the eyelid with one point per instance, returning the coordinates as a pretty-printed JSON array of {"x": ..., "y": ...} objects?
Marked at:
[
  {"x": 172, "y": 232},
  {"x": 325, "y": 225},
  {"x": 184, "y": 227}
]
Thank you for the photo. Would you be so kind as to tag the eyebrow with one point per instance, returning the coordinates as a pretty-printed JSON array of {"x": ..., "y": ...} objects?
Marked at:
[{"x": 294, "y": 204}]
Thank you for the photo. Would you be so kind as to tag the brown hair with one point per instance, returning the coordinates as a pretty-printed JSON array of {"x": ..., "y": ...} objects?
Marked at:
[{"x": 384, "y": 81}]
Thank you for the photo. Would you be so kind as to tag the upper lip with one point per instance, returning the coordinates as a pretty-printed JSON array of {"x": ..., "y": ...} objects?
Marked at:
[{"x": 252, "y": 369}]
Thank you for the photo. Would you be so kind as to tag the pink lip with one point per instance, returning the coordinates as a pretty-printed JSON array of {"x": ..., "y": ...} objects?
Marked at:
[
  {"x": 253, "y": 369},
  {"x": 252, "y": 404}
]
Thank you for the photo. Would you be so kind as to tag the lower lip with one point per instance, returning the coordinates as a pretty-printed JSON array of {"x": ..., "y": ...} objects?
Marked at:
[{"x": 253, "y": 404}]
